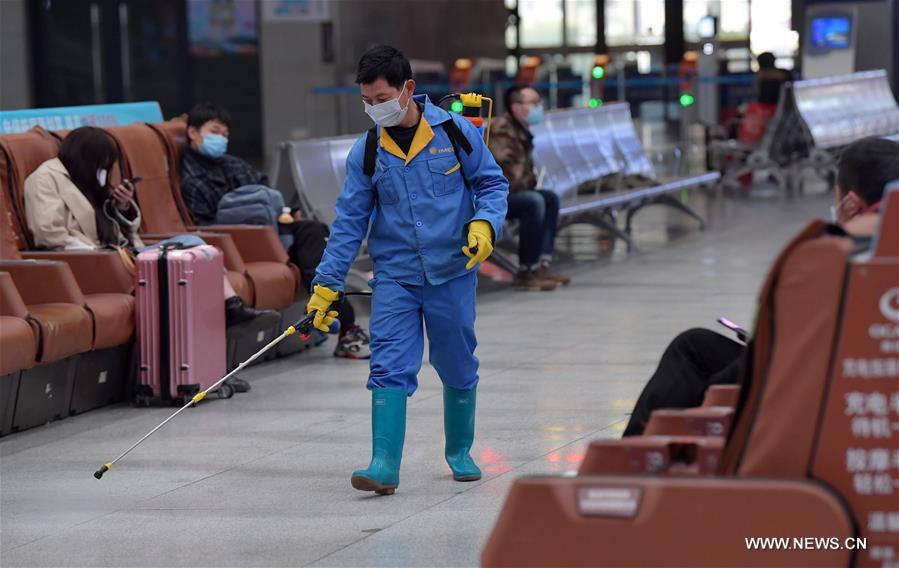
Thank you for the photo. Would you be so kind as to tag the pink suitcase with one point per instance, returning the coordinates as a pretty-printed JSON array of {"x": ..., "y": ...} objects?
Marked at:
[{"x": 180, "y": 322}]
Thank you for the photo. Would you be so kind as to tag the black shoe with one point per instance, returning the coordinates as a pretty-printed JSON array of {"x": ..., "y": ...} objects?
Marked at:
[
  {"x": 236, "y": 311},
  {"x": 239, "y": 385}
]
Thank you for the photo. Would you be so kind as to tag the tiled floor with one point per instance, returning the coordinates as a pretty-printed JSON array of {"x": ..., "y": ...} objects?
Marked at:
[{"x": 262, "y": 479}]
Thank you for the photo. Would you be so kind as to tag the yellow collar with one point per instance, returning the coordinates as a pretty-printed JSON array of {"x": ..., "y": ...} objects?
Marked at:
[{"x": 423, "y": 137}]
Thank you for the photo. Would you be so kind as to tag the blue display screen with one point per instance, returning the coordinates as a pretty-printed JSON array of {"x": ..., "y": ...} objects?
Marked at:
[{"x": 833, "y": 32}]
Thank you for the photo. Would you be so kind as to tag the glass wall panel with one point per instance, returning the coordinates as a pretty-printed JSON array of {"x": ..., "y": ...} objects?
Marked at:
[
  {"x": 733, "y": 18},
  {"x": 541, "y": 23},
  {"x": 580, "y": 22},
  {"x": 771, "y": 23},
  {"x": 635, "y": 22}
]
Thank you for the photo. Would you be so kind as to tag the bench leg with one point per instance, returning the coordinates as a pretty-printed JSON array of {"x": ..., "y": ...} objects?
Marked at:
[
  {"x": 680, "y": 206},
  {"x": 503, "y": 261},
  {"x": 611, "y": 225}
]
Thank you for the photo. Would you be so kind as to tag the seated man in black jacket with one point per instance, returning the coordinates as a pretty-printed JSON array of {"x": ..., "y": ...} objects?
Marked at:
[
  {"x": 208, "y": 173},
  {"x": 698, "y": 358}
]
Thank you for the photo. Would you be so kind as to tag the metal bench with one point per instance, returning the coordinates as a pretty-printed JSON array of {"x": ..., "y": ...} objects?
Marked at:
[
  {"x": 579, "y": 147},
  {"x": 575, "y": 148},
  {"x": 836, "y": 111},
  {"x": 815, "y": 120}
]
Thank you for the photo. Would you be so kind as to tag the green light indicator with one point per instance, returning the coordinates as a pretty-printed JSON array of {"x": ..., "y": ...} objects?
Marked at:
[
  {"x": 598, "y": 72},
  {"x": 687, "y": 99},
  {"x": 594, "y": 102},
  {"x": 456, "y": 107}
]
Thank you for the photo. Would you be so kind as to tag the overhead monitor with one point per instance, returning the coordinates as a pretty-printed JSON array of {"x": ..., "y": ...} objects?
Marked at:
[{"x": 831, "y": 31}]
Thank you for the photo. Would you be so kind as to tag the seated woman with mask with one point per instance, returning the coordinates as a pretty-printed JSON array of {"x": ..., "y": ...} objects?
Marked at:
[{"x": 70, "y": 206}]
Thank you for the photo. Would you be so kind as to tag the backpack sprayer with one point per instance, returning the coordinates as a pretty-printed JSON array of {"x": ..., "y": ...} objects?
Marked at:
[
  {"x": 469, "y": 105},
  {"x": 302, "y": 326}
]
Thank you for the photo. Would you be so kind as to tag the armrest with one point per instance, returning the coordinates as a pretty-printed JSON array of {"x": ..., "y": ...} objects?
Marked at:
[
  {"x": 231, "y": 255},
  {"x": 702, "y": 421},
  {"x": 721, "y": 395},
  {"x": 11, "y": 303},
  {"x": 660, "y": 521},
  {"x": 638, "y": 455},
  {"x": 97, "y": 272},
  {"x": 233, "y": 258},
  {"x": 255, "y": 243},
  {"x": 44, "y": 282}
]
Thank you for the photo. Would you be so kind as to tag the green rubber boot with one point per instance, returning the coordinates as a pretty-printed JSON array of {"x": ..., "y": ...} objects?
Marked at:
[
  {"x": 458, "y": 424},
  {"x": 388, "y": 430}
]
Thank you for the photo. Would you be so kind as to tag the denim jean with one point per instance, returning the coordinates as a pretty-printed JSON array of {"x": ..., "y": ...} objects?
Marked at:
[{"x": 537, "y": 212}]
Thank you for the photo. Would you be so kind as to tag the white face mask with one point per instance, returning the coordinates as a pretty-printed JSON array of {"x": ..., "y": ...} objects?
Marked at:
[
  {"x": 835, "y": 211},
  {"x": 388, "y": 113},
  {"x": 101, "y": 177}
]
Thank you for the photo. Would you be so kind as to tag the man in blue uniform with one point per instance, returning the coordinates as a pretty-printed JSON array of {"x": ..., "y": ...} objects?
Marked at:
[{"x": 436, "y": 200}]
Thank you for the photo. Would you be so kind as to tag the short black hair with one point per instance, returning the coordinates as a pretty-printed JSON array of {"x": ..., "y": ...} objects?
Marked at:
[
  {"x": 867, "y": 166},
  {"x": 206, "y": 111},
  {"x": 766, "y": 60},
  {"x": 513, "y": 95},
  {"x": 384, "y": 62}
]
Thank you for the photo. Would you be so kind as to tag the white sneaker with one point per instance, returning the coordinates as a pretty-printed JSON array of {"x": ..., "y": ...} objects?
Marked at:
[{"x": 354, "y": 345}]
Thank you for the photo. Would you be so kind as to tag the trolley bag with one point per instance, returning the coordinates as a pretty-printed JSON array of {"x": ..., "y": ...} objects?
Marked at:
[{"x": 180, "y": 322}]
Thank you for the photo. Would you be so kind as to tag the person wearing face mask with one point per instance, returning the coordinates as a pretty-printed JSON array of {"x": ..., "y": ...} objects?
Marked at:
[
  {"x": 698, "y": 358},
  {"x": 865, "y": 167},
  {"x": 70, "y": 206},
  {"x": 434, "y": 214},
  {"x": 208, "y": 172},
  {"x": 537, "y": 210}
]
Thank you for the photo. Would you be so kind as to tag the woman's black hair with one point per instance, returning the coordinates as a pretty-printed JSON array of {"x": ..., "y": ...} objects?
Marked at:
[
  {"x": 867, "y": 166},
  {"x": 384, "y": 62},
  {"x": 84, "y": 151}
]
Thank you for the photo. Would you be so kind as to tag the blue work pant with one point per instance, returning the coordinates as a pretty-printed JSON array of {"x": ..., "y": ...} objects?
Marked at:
[
  {"x": 397, "y": 338},
  {"x": 537, "y": 212}
]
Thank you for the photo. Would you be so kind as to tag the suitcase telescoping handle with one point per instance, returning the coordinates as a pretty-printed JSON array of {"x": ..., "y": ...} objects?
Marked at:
[{"x": 302, "y": 326}]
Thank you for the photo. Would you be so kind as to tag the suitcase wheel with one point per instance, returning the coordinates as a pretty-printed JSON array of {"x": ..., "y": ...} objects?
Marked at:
[{"x": 225, "y": 391}]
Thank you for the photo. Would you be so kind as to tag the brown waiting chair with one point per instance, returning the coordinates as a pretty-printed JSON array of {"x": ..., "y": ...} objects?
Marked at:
[
  {"x": 274, "y": 281},
  {"x": 102, "y": 376},
  {"x": 18, "y": 348},
  {"x": 46, "y": 296},
  {"x": 104, "y": 288},
  {"x": 789, "y": 465}
]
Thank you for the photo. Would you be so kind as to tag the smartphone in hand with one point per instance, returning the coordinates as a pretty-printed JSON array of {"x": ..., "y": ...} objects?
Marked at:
[{"x": 742, "y": 334}]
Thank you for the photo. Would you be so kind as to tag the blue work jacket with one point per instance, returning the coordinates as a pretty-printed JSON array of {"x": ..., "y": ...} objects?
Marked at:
[{"x": 421, "y": 205}]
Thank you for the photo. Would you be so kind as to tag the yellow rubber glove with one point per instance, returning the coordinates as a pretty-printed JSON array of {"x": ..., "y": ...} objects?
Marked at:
[
  {"x": 480, "y": 238},
  {"x": 321, "y": 300}
]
